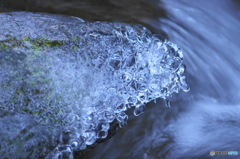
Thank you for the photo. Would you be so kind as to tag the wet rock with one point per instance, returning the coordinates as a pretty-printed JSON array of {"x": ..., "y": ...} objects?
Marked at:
[{"x": 64, "y": 81}]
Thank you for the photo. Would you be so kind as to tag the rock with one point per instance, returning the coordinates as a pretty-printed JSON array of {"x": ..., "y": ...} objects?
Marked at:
[{"x": 64, "y": 80}]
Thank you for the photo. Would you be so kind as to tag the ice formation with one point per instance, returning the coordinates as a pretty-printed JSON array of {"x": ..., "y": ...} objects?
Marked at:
[{"x": 74, "y": 94}]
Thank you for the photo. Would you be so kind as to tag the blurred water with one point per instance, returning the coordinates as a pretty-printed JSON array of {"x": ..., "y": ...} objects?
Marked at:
[{"x": 209, "y": 35}]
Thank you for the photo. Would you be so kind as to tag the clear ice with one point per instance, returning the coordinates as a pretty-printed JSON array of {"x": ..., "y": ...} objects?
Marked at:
[{"x": 76, "y": 95}]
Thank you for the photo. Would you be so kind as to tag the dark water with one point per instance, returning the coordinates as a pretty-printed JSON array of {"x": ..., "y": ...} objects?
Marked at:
[{"x": 206, "y": 118}]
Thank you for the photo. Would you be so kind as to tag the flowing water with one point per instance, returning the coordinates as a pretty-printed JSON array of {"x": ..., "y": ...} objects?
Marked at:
[{"x": 207, "y": 117}]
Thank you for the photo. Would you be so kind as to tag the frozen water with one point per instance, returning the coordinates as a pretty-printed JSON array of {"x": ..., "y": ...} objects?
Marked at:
[{"x": 114, "y": 66}]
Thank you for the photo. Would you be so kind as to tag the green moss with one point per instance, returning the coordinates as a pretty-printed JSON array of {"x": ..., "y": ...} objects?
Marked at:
[
  {"x": 2, "y": 45},
  {"x": 74, "y": 48},
  {"x": 76, "y": 39},
  {"x": 11, "y": 42},
  {"x": 36, "y": 44},
  {"x": 59, "y": 111},
  {"x": 43, "y": 42},
  {"x": 5, "y": 44},
  {"x": 26, "y": 39},
  {"x": 35, "y": 113}
]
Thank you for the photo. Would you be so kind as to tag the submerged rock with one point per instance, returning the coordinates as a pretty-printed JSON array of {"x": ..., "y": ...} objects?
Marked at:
[{"x": 64, "y": 80}]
